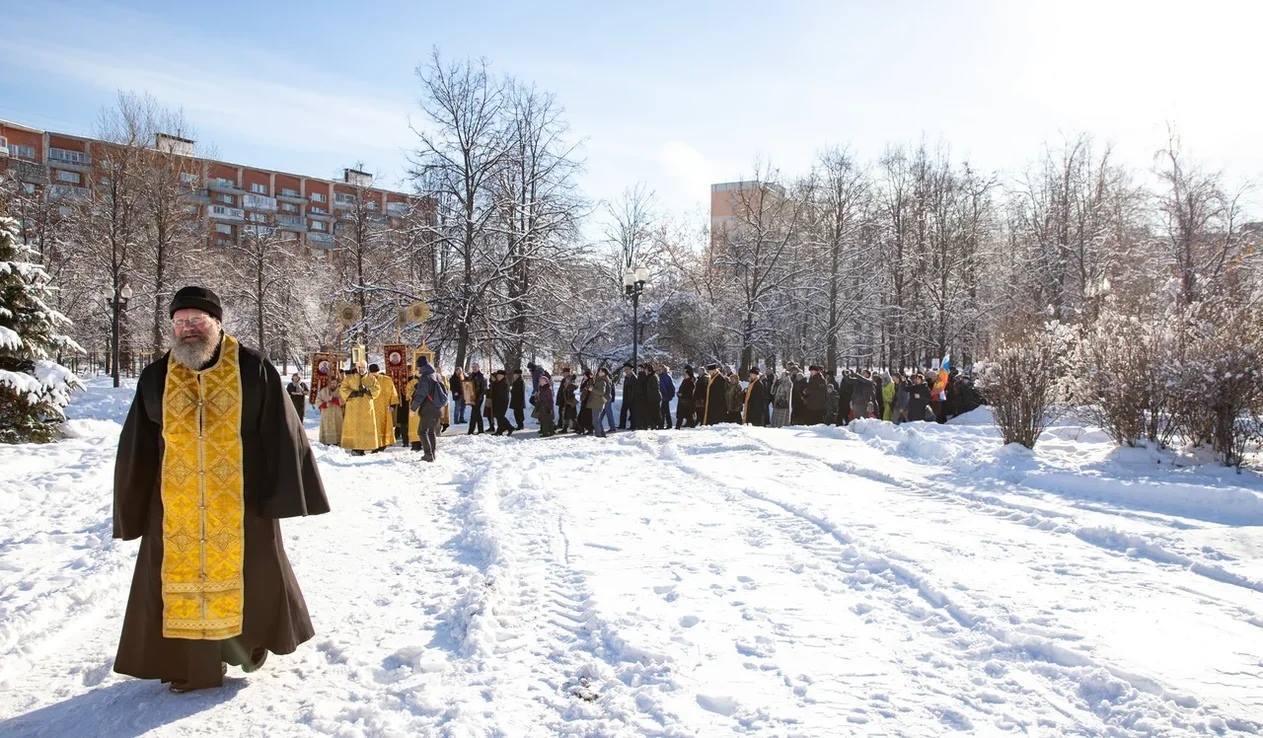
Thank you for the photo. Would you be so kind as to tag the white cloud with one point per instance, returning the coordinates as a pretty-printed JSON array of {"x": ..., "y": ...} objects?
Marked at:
[{"x": 690, "y": 173}]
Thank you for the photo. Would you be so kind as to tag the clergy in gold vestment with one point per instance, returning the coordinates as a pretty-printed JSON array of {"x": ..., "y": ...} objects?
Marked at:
[
  {"x": 384, "y": 405},
  {"x": 211, "y": 455},
  {"x": 359, "y": 416}
]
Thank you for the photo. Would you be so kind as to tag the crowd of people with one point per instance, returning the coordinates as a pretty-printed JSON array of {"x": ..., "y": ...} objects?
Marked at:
[{"x": 361, "y": 410}]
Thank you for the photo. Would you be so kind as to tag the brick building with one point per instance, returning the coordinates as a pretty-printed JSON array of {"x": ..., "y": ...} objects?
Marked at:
[{"x": 232, "y": 199}]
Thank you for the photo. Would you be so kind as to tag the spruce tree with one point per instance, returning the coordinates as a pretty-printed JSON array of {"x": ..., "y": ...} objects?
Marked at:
[{"x": 34, "y": 388}]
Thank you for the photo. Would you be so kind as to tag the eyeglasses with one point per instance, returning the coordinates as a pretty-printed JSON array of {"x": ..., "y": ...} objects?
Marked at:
[{"x": 194, "y": 322}]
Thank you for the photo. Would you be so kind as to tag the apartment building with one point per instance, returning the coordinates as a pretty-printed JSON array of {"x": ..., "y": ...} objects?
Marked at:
[
  {"x": 727, "y": 199},
  {"x": 235, "y": 200}
]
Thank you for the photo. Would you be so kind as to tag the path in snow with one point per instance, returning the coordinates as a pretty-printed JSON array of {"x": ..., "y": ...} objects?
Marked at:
[{"x": 910, "y": 581}]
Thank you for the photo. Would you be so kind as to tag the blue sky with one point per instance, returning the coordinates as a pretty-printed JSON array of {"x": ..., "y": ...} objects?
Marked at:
[{"x": 672, "y": 94}]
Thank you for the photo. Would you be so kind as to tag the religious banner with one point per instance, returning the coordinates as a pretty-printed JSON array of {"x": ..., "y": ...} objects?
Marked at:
[
  {"x": 324, "y": 365},
  {"x": 396, "y": 355},
  {"x": 427, "y": 352}
]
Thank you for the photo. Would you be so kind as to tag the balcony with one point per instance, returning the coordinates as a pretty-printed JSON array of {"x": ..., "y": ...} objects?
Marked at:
[
  {"x": 68, "y": 158},
  {"x": 67, "y": 192},
  {"x": 397, "y": 209},
  {"x": 222, "y": 185},
  {"x": 258, "y": 202},
  {"x": 223, "y": 212},
  {"x": 317, "y": 238},
  {"x": 289, "y": 195},
  {"x": 291, "y": 222},
  {"x": 344, "y": 202},
  {"x": 318, "y": 213},
  {"x": 257, "y": 231}
]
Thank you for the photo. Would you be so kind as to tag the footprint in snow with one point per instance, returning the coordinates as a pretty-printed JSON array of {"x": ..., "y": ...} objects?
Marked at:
[{"x": 688, "y": 621}]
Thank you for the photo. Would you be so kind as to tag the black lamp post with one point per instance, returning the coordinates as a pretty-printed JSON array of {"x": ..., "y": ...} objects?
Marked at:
[
  {"x": 117, "y": 305},
  {"x": 634, "y": 280},
  {"x": 284, "y": 353}
]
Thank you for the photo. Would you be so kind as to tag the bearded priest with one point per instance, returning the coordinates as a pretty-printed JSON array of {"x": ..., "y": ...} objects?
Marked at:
[{"x": 211, "y": 456}]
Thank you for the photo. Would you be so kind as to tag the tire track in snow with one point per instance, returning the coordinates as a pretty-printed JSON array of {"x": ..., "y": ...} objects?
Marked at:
[
  {"x": 1112, "y": 541},
  {"x": 531, "y": 631},
  {"x": 1012, "y": 645}
]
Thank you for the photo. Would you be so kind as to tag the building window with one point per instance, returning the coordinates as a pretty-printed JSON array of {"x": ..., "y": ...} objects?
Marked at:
[
  {"x": 18, "y": 151},
  {"x": 223, "y": 228},
  {"x": 188, "y": 178},
  {"x": 289, "y": 192},
  {"x": 258, "y": 188},
  {"x": 64, "y": 211},
  {"x": 318, "y": 197},
  {"x": 71, "y": 177},
  {"x": 257, "y": 217},
  {"x": 28, "y": 188},
  {"x": 344, "y": 198},
  {"x": 225, "y": 198},
  {"x": 289, "y": 207},
  {"x": 317, "y": 225}
]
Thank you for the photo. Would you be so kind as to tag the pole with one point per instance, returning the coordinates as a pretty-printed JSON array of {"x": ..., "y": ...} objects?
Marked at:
[
  {"x": 635, "y": 327},
  {"x": 114, "y": 339}
]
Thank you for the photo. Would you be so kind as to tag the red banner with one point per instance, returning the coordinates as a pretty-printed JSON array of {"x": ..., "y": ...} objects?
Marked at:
[
  {"x": 396, "y": 355},
  {"x": 324, "y": 365}
]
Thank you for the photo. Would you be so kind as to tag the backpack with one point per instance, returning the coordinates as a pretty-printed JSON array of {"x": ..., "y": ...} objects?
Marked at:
[{"x": 437, "y": 395}]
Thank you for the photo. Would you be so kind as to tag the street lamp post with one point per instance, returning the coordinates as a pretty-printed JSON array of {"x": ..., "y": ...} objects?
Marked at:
[
  {"x": 284, "y": 353},
  {"x": 633, "y": 284},
  {"x": 117, "y": 305}
]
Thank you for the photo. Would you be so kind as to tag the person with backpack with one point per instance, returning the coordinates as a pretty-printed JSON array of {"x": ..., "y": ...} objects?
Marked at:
[{"x": 428, "y": 400}]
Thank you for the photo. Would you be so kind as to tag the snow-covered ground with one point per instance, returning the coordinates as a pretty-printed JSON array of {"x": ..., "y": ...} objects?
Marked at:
[{"x": 915, "y": 580}]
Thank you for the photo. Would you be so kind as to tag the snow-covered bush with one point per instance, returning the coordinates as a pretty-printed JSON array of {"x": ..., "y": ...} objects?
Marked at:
[
  {"x": 34, "y": 389},
  {"x": 1025, "y": 378},
  {"x": 1218, "y": 380},
  {"x": 1122, "y": 374}
]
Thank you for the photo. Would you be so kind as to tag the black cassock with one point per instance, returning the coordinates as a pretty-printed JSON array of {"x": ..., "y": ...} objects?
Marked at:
[
  {"x": 280, "y": 481},
  {"x": 756, "y": 404}
]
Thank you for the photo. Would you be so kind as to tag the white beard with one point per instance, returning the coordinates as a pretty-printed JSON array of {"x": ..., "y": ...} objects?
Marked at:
[{"x": 194, "y": 355}]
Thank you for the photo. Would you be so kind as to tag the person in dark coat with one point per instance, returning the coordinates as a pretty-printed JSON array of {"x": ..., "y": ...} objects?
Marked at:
[
  {"x": 517, "y": 399},
  {"x": 536, "y": 372},
  {"x": 666, "y": 388},
  {"x": 567, "y": 405},
  {"x": 700, "y": 390},
  {"x": 211, "y": 426},
  {"x": 756, "y": 399},
  {"x": 500, "y": 403},
  {"x": 863, "y": 396},
  {"x": 428, "y": 401},
  {"x": 846, "y": 388},
  {"x": 918, "y": 398},
  {"x": 815, "y": 397},
  {"x": 798, "y": 409},
  {"x": 630, "y": 386},
  {"x": 583, "y": 424},
  {"x": 544, "y": 406},
  {"x": 715, "y": 403},
  {"x": 297, "y": 390},
  {"x": 684, "y": 400},
  {"x": 648, "y": 399}
]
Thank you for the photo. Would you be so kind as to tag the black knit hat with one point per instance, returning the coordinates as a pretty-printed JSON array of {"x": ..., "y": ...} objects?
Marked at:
[
  {"x": 197, "y": 298},
  {"x": 374, "y": 368}
]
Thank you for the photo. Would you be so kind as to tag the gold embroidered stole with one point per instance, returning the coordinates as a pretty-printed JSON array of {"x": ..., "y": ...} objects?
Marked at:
[{"x": 203, "y": 500}]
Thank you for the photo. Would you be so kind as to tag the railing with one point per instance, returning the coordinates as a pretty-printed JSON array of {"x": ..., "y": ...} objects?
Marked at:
[
  {"x": 291, "y": 221},
  {"x": 66, "y": 156},
  {"x": 219, "y": 183},
  {"x": 69, "y": 192},
  {"x": 258, "y": 231},
  {"x": 226, "y": 213},
  {"x": 258, "y": 202},
  {"x": 397, "y": 209},
  {"x": 317, "y": 237}
]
